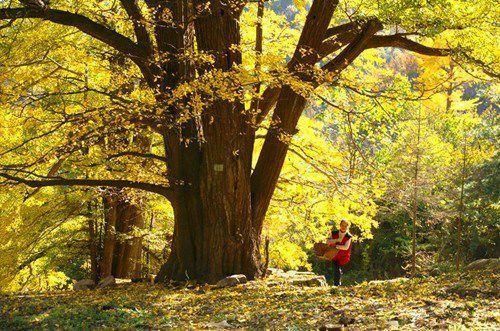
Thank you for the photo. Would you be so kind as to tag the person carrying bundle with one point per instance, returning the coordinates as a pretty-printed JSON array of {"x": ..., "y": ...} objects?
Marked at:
[{"x": 337, "y": 249}]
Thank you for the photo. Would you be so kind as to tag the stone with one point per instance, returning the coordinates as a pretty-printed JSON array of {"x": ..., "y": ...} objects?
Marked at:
[
  {"x": 241, "y": 278},
  {"x": 393, "y": 324},
  {"x": 191, "y": 284},
  {"x": 296, "y": 273},
  {"x": 123, "y": 280},
  {"x": 84, "y": 284},
  {"x": 274, "y": 271},
  {"x": 305, "y": 273},
  {"x": 232, "y": 280},
  {"x": 318, "y": 281},
  {"x": 148, "y": 279},
  {"x": 219, "y": 325},
  {"x": 312, "y": 282},
  {"x": 484, "y": 264},
  {"x": 138, "y": 280},
  {"x": 106, "y": 282},
  {"x": 204, "y": 288}
]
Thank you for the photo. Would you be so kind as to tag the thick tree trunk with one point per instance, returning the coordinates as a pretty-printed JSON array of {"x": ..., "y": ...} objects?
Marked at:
[
  {"x": 214, "y": 234},
  {"x": 211, "y": 243}
]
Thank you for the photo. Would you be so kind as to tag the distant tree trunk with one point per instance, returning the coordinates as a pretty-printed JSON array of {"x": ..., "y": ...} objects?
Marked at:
[
  {"x": 121, "y": 257},
  {"x": 122, "y": 251},
  {"x": 415, "y": 199},
  {"x": 266, "y": 252},
  {"x": 127, "y": 258},
  {"x": 93, "y": 248},
  {"x": 110, "y": 215},
  {"x": 461, "y": 203}
]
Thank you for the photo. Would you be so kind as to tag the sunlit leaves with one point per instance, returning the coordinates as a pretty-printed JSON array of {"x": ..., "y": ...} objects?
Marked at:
[
  {"x": 301, "y": 4},
  {"x": 315, "y": 191}
]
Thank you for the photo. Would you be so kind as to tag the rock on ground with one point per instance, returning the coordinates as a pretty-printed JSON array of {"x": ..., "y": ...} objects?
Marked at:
[
  {"x": 313, "y": 282},
  {"x": 219, "y": 325},
  {"x": 232, "y": 280},
  {"x": 84, "y": 284},
  {"x": 274, "y": 271},
  {"x": 483, "y": 264},
  {"x": 295, "y": 273},
  {"x": 295, "y": 277},
  {"x": 106, "y": 282}
]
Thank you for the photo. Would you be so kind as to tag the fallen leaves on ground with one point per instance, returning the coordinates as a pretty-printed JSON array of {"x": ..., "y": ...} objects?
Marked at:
[{"x": 465, "y": 301}]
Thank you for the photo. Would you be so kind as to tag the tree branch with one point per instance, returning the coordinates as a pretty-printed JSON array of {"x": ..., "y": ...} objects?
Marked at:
[
  {"x": 336, "y": 38},
  {"x": 268, "y": 100},
  {"x": 82, "y": 23},
  {"x": 118, "y": 183},
  {"x": 138, "y": 154},
  {"x": 342, "y": 28},
  {"x": 339, "y": 36},
  {"x": 288, "y": 110},
  {"x": 134, "y": 12},
  {"x": 399, "y": 41},
  {"x": 289, "y": 107},
  {"x": 53, "y": 170},
  {"x": 306, "y": 53},
  {"x": 355, "y": 48},
  {"x": 486, "y": 68}
]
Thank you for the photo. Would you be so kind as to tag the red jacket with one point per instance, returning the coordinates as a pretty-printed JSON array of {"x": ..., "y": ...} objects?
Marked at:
[{"x": 343, "y": 256}]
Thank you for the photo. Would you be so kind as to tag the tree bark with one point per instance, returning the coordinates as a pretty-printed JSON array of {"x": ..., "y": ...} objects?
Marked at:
[
  {"x": 213, "y": 234},
  {"x": 121, "y": 257},
  {"x": 127, "y": 254},
  {"x": 110, "y": 215},
  {"x": 415, "y": 198},
  {"x": 93, "y": 248}
]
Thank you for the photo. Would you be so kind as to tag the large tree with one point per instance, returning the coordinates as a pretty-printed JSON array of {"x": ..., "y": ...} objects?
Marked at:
[{"x": 189, "y": 54}]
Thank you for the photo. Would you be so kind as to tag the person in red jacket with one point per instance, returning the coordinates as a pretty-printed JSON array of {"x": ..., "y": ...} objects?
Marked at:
[{"x": 341, "y": 240}]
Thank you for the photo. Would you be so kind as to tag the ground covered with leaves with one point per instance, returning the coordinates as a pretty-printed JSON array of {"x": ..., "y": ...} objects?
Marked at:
[{"x": 466, "y": 301}]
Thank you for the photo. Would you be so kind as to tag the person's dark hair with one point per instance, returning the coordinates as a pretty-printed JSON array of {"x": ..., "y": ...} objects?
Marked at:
[{"x": 346, "y": 221}]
